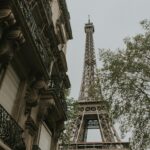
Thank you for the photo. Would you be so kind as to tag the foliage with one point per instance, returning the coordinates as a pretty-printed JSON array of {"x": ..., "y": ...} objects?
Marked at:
[
  {"x": 125, "y": 81},
  {"x": 67, "y": 135}
]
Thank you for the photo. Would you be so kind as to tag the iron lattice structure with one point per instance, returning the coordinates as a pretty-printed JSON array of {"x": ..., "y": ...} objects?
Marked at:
[
  {"x": 93, "y": 111},
  {"x": 89, "y": 72}
]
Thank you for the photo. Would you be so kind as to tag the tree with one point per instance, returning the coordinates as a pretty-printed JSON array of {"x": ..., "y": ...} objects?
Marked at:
[
  {"x": 67, "y": 135},
  {"x": 125, "y": 81}
]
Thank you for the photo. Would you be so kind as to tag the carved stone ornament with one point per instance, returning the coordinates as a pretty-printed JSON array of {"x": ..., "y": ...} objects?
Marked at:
[
  {"x": 32, "y": 96},
  {"x": 16, "y": 34},
  {"x": 10, "y": 44},
  {"x": 11, "y": 35},
  {"x": 45, "y": 104},
  {"x": 31, "y": 126},
  {"x": 59, "y": 129},
  {"x": 40, "y": 84},
  {"x": 6, "y": 51},
  {"x": 7, "y": 16}
]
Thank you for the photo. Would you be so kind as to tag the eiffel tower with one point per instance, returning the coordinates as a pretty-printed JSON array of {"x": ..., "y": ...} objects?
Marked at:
[{"x": 93, "y": 110}]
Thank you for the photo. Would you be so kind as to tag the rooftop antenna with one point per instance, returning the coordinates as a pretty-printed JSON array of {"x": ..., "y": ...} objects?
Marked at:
[{"x": 89, "y": 18}]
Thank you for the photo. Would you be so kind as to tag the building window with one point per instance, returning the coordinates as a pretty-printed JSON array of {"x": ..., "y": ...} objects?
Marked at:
[
  {"x": 9, "y": 89},
  {"x": 45, "y": 138}
]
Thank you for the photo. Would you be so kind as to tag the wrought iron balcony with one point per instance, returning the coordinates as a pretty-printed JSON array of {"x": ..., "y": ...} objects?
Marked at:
[
  {"x": 10, "y": 131},
  {"x": 47, "y": 10},
  {"x": 38, "y": 37},
  {"x": 58, "y": 90}
]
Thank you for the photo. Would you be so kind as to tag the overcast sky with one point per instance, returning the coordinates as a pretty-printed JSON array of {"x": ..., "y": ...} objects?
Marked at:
[{"x": 113, "y": 20}]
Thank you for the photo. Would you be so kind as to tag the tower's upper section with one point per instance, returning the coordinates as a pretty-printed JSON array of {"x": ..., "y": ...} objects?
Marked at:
[
  {"x": 87, "y": 91},
  {"x": 89, "y": 27}
]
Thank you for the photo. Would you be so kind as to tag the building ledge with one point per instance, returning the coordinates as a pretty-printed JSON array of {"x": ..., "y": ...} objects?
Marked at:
[
  {"x": 97, "y": 145},
  {"x": 3, "y": 146}
]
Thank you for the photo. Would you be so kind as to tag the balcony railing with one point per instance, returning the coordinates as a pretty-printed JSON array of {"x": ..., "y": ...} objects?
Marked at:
[
  {"x": 10, "y": 131},
  {"x": 55, "y": 87},
  {"x": 39, "y": 39},
  {"x": 47, "y": 10},
  {"x": 100, "y": 146}
]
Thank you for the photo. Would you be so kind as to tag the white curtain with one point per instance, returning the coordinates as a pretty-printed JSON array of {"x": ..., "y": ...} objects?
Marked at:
[
  {"x": 45, "y": 138},
  {"x": 9, "y": 89}
]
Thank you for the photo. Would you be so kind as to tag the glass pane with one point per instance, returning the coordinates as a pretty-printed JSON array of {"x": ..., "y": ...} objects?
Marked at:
[{"x": 93, "y": 135}]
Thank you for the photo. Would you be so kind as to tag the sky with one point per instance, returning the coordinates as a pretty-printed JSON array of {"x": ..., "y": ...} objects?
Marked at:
[{"x": 113, "y": 20}]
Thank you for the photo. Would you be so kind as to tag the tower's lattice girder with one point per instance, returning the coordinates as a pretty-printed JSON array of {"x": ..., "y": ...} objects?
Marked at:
[{"x": 93, "y": 111}]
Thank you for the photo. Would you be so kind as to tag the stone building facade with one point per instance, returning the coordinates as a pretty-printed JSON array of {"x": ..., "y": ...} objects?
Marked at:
[{"x": 33, "y": 78}]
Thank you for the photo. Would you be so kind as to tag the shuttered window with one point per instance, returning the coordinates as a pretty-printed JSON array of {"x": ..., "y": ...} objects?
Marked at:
[
  {"x": 45, "y": 138},
  {"x": 9, "y": 89}
]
